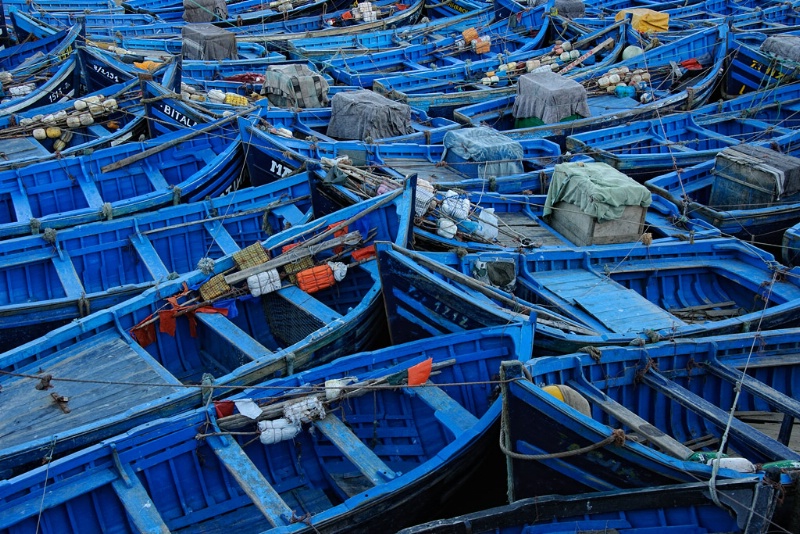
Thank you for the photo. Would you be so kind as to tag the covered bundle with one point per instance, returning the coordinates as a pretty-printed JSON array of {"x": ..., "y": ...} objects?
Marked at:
[
  {"x": 645, "y": 20},
  {"x": 784, "y": 46},
  {"x": 570, "y": 9},
  {"x": 295, "y": 86},
  {"x": 206, "y": 42},
  {"x": 364, "y": 114},
  {"x": 204, "y": 10},
  {"x": 547, "y": 98},
  {"x": 751, "y": 176},
  {"x": 482, "y": 152},
  {"x": 593, "y": 203}
]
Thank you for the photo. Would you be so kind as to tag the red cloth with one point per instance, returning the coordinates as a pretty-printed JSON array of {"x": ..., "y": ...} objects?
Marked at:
[{"x": 419, "y": 374}]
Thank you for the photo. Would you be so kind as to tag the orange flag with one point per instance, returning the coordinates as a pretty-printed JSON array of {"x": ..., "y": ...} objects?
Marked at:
[{"x": 419, "y": 373}]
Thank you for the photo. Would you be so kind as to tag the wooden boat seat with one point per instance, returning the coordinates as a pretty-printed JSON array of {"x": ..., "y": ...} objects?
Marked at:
[
  {"x": 151, "y": 259},
  {"x": 616, "y": 307},
  {"x": 290, "y": 213},
  {"x": 155, "y": 177},
  {"x": 454, "y": 416},
  {"x": 89, "y": 188},
  {"x": 22, "y": 206},
  {"x": 99, "y": 131},
  {"x": 235, "y": 336},
  {"x": 137, "y": 502},
  {"x": 361, "y": 456},
  {"x": 250, "y": 479},
  {"x": 22, "y": 148},
  {"x": 309, "y": 304},
  {"x": 767, "y": 446},
  {"x": 221, "y": 237},
  {"x": 633, "y": 421},
  {"x": 73, "y": 287},
  {"x": 789, "y": 406},
  {"x": 105, "y": 356}
]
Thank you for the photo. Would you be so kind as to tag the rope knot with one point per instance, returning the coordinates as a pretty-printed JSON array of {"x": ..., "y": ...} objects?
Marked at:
[
  {"x": 49, "y": 235},
  {"x": 206, "y": 265},
  {"x": 619, "y": 437},
  {"x": 44, "y": 382}
]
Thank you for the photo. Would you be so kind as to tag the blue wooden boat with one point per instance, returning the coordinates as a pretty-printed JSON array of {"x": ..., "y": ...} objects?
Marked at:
[
  {"x": 666, "y": 93},
  {"x": 672, "y": 401},
  {"x": 746, "y": 505},
  {"x": 600, "y": 295},
  {"x": 247, "y": 339},
  {"x": 363, "y": 43},
  {"x": 442, "y": 90},
  {"x": 758, "y": 211},
  {"x": 270, "y": 156},
  {"x": 751, "y": 69},
  {"x": 522, "y": 226},
  {"x": 102, "y": 69},
  {"x": 790, "y": 246},
  {"x": 153, "y": 46},
  {"x": 56, "y": 83},
  {"x": 276, "y": 34},
  {"x": 66, "y": 5},
  {"x": 118, "y": 118},
  {"x": 417, "y": 59},
  {"x": 93, "y": 266},
  {"x": 644, "y": 149},
  {"x": 29, "y": 57},
  {"x": 120, "y": 180},
  {"x": 373, "y": 462},
  {"x": 93, "y": 22},
  {"x": 242, "y": 12}
]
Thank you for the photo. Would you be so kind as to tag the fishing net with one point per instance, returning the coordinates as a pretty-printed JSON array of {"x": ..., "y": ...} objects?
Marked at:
[{"x": 288, "y": 322}]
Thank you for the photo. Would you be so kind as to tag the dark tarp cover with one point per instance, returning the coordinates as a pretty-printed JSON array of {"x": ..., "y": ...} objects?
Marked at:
[
  {"x": 550, "y": 97},
  {"x": 785, "y": 46},
  {"x": 206, "y": 42},
  {"x": 364, "y": 114},
  {"x": 204, "y": 10},
  {"x": 496, "y": 154},
  {"x": 599, "y": 189},
  {"x": 295, "y": 86}
]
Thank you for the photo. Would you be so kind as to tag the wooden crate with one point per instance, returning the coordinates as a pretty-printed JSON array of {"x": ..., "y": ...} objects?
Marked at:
[
  {"x": 583, "y": 230},
  {"x": 748, "y": 176}
]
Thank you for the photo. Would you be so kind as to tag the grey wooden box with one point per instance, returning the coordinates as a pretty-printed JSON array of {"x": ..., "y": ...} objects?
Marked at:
[
  {"x": 749, "y": 176},
  {"x": 583, "y": 230}
]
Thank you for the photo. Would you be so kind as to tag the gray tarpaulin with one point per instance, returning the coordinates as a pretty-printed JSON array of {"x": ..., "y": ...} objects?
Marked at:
[
  {"x": 598, "y": 189},
  {"x": 206, "y": 42},
  {"x": 550, "y": 97},
  {"x": 295, "y": 86},
  {"x": 785, "y": 46},
  {"x": 566, "y": 8},
  {"x": 362, "y": 114},
  {"x": 204, "y": 10},
  {"x": 496, "y": 154}
]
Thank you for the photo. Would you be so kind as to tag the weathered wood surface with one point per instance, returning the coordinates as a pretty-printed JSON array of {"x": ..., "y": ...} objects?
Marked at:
[
  {"x": 619, "y": 309},
  {"x": 32, "y": 413}
]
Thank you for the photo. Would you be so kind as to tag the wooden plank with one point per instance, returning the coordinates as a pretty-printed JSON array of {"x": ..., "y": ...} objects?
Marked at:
[
  {"x": 221, "y": 237},
  {"x": 156, "y": 178},
  {"x": 176, "y": 141},
  {"x": 146, "y": 251},
  {"x": 767, "y": 446},
  {"x": 105, "y": 356},
  {"x": 758, "y": 389},
  {"x": 137, "y": 503},
  {"x": 362, "y": 457},
  {"x": 309, "y": 304},
  {"x": 642, "y": 427},
  {"x": 618, "y": 308},
  {"x": 234, "y": 335},
  {"x": 267, "y": 500},
  {"x": 290, "y": 213},
  {"x": 73, "y": 287},
  {"x": 454, "y": 416}
]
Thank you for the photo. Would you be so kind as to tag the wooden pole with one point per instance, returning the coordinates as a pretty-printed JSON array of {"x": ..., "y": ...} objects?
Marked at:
[{"x": 156, "y": 149}]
